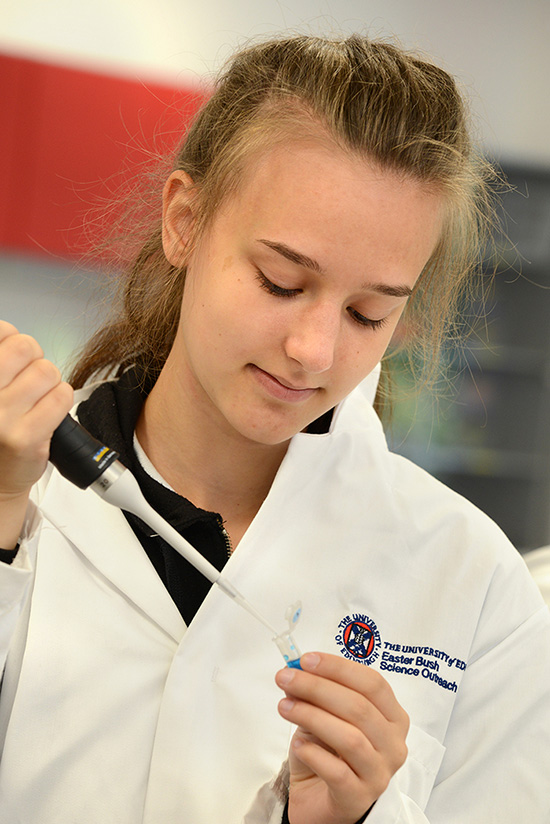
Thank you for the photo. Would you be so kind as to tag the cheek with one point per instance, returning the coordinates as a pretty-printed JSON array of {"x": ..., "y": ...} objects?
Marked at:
[
  {"x": 372, "y": 344},
  {"x": 201, "y": 309},
  {"x": 359, "y": 359},
  {"x": 224, "y": 335}
]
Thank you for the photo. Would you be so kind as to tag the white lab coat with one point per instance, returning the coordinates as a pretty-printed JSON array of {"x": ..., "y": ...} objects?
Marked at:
[
  {"x": 113, "y": 711},
  {"x": 538, "y": 564}
]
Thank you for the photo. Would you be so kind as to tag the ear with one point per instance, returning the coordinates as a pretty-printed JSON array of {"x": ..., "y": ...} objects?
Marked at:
[{"x": 178, "y": 217}]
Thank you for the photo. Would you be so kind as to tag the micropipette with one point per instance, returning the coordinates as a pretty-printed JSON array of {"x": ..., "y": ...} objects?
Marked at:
[{"x": 87, "y": 462}]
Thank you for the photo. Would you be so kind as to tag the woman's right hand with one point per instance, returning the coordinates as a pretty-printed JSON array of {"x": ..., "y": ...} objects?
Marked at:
[{"x": 33, "y": 402}]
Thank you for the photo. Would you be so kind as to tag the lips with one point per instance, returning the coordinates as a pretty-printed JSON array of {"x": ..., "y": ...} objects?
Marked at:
[
  {"x": 289, "y": 385},
  {"x": 280, "y": 388}
]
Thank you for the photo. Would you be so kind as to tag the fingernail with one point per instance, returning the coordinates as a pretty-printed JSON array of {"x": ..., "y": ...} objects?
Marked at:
[
  {"x": 285, "y": 676},
  {"x": 286, "y": 704},
  {"x": 310, "y": 660},
  {"x": 297, "y": 742}
]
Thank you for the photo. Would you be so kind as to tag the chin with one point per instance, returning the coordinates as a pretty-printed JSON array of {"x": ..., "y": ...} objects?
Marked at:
[
  {"x": 270, "y": 438},
  {"x": 269, "y": 435},
  {"x": 268, "y": 424}
]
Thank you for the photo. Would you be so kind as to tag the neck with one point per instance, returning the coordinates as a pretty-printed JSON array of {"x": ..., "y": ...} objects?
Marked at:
[{"x": 216, "y": 469}]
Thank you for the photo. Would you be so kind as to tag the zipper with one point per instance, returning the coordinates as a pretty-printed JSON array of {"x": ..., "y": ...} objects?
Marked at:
[{"x": 226, "y": 538}]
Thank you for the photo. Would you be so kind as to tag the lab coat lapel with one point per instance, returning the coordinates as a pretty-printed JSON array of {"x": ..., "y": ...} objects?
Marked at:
[{"x": 105, "y": 538}]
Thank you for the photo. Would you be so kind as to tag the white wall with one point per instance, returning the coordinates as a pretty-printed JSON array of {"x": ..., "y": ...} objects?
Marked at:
[{"x": 498, "y": 48}]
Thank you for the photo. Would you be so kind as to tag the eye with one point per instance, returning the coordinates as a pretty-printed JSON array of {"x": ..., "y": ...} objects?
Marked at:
[
  {"x": 273, "y": 289},
  {"x": 364, "y": 321}
]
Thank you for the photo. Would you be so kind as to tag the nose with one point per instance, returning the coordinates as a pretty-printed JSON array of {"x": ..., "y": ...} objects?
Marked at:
[{"x": 313, "y": 339}]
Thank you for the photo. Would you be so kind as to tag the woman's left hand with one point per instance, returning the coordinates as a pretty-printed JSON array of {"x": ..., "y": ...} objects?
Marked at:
[{"x": 350, "y": 738}]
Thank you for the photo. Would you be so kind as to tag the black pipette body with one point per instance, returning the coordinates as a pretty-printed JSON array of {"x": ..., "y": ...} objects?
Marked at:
[{"x": 77, "y": 455}]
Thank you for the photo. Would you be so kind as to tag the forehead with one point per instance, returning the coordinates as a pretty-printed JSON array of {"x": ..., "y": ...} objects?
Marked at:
[
  {"x": 302, "y": 168},
  {"x": 315, "y": 193}
]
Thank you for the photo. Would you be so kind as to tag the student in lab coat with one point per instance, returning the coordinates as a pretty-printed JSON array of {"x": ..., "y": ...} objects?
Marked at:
[{"x": 327, "y": 191}]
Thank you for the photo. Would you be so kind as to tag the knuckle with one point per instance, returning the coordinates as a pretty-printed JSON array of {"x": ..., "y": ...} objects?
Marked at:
[
  {"x": 26, "y": 348},
  {"x": 341, "y": 774},
  {"x": 377, "y": 680},
  {"x": 400, "y": 755},
  {"x": 361, "y": 713},
  {"x": 47, "y": 371},
  {"x": 64, "y": 395},
  {"x": 353, "y": 739},
  {"x": 397, "y": 753},
  {"x": 378, "y": 686},
  {"x": 7, "y": 329}
]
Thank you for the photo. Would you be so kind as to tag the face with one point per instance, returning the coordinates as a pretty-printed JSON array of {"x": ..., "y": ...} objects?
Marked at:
[{"x": 294, "y": 291}]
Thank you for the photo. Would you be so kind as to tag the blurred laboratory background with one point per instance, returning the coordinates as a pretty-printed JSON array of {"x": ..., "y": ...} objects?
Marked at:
[{"x": 91, "y": 90}]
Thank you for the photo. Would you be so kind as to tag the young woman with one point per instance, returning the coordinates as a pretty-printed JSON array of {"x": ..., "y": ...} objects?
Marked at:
[{"x": 326, "y": 191}]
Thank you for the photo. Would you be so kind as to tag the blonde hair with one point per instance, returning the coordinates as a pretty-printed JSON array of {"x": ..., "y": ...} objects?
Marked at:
[{"x": 370, "y": 98}]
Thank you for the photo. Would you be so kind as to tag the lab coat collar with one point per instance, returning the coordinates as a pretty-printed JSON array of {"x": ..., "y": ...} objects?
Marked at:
[{"x": 105, "y": 538}]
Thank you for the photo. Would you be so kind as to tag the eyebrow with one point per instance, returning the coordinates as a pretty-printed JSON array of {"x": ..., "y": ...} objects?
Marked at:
[
  {"x": 293, "y": 255},
  {"x": 400, "y": 291}
]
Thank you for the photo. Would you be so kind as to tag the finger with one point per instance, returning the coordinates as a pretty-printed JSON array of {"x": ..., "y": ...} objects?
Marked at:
[
  {"x": 6, "y": 329},
  {"x": 344, "y": 789},
  {"x": 347, "y": 741},
  {"x": 299, "y": 770},
  {"x": 305, "y": 735},
  {"x": 28, "y": 419},
  {"x": 38, "y": 425},
  {"x": 16, "y": 353},
  {"x": 353, "y": 697},
  {"x": 25, "y": 441},
  {"x": 338, "y": 701},
  {"x": 357, "y": 677},
  {"x": 28, "y": 387},
  {"x": 327, "y": 765}
]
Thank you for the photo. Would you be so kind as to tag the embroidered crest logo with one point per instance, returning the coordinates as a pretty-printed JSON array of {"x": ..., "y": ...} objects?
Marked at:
[{"x": 358, "y": 638}]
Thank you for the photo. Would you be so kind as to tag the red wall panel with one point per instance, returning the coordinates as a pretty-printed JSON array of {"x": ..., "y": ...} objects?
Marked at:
[{"x": 64, "y": 134}]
